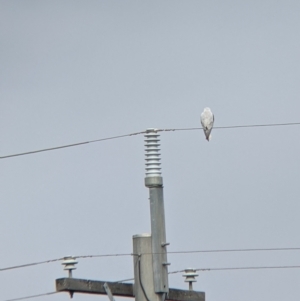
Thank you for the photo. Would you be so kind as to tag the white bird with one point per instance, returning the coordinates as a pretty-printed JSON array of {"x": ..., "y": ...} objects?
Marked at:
[{"x": 207, "y": 121}]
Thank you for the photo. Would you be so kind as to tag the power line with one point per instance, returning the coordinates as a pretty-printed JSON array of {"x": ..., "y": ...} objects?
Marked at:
[
  {"x": 170, "y": 252},
  {"x": 241, "y": 268},
  {"x": 235, "y": 250},
  {"x": 105, "y": 255},
  {"x": 59, "y": 259},
  {"x": 231, "y": 127},
  {"x": 124, "y": 280},
  {"x": 227, "y": 251},
  {"x": 30, "y": 264},
  {"x": 143, "y": 132},
  {"x": 70, "y": 145},
  {"x": 32, "y": 296}
]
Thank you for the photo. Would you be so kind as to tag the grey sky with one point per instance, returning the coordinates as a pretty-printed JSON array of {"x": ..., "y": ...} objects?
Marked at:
[{"x": 74, "y": 71}]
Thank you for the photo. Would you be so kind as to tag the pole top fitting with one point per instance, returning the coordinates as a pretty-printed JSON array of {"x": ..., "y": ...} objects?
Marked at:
[
  {"x": 69, "y": 263},
  {"x": 190, "y": 275}
]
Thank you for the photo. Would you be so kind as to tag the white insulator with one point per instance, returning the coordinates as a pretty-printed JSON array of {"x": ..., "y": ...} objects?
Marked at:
[
  {"x": 190, "y": 275},
  {"x": 152, "y": 153},
  {"x": 69, "y": 263}
]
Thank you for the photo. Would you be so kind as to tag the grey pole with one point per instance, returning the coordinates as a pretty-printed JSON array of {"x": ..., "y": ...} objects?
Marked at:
[
  {"x": 143, "y": 270},
  {"x": 154, "y": 182}
]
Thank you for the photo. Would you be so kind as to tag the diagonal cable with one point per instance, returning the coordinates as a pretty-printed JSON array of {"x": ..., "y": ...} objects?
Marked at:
[
  {"x": 69, "y": 145},
  {"x": 32, "y": 296}
]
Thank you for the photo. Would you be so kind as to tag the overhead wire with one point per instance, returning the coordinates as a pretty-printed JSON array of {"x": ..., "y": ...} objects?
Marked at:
[
  {"x": 32, "y": 296},
  {"x": 105, "y": 255},
  {"x": 169, "y": 252},
  {"x": 230, "y": 127},
  {"x": 236, "y": 250},
  {"x": 29, "y": 264},
  {"x": 143, "y": 132},
  {"x": 70, "y": 145},
  {"x": 241, "y": 268},
  {"x": 59, "y": 259},
  {"x": 124, "y": 280}
]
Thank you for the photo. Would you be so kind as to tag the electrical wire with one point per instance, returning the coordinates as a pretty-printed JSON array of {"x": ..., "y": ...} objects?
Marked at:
[
  {"x": 30, "y": 264},
  {"x": 143, "y": 132},
  {"x": 32, "y": 296},
  {"x": 227, "y": 251},
  {"x": 235, "y": 250},
  {"x": 59, "y": 259},
  {"x": 124, "y": 280},
  {"x": 140, "y": 279},
  {"x": 105, "y": 255},
  {"x": 171, "y": 252},
  {"x": 231, "y": 127},
  {"x": 70, "y": 145},
  {"x": 241, "y": 268}
]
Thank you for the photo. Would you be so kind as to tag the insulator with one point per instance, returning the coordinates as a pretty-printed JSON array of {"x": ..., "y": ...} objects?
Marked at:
[
  {"x": 69, "y": 263},
  {"x": 190, "y": 275},
  {"x": 152, "y": 153}
]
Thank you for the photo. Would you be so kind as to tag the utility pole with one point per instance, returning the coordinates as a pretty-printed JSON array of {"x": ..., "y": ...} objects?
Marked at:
[
  {"x": 154, "y": 244},
  {"x": 143, "y": 269},
  {"x": 149, "y": 250}
]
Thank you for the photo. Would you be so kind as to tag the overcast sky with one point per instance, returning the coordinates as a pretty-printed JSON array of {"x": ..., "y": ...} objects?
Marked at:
[{"x": 74, "y": 71}]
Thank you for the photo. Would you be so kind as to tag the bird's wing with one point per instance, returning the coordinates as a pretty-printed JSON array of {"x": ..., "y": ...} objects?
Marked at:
[{"x": 207, "y": 120}]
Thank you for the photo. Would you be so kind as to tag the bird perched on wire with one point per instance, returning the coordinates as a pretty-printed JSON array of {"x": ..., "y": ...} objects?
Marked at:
[{"x": 207, "y": 121}]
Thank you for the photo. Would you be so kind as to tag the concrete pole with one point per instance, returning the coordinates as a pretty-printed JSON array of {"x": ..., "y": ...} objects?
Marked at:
[
  {"x": 154, "y": 182},
  {"x": 143, "y": 269}
]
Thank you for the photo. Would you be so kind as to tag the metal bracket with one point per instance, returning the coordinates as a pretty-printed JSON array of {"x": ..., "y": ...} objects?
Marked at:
[{"x": 108, "y": 292}]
